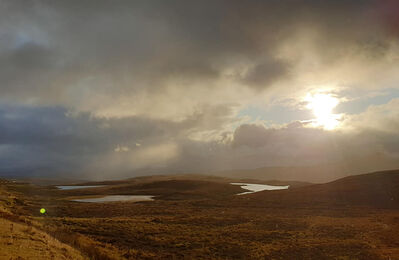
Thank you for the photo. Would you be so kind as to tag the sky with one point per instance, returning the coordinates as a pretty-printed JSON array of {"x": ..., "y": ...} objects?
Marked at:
[{"x": 111, "y": 89}]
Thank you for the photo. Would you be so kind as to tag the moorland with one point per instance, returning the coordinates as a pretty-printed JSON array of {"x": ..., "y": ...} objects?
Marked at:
[{"x": 201, "y": 217}]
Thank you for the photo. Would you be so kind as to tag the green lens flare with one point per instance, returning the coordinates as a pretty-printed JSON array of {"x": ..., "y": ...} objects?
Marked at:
[{"x": 42, "y": 210}]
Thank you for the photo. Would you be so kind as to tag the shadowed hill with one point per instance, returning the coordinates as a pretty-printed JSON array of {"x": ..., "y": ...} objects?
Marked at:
[{"x": 378, "y": 189}]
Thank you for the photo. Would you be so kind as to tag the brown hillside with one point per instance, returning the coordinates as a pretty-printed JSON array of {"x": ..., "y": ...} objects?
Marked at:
[{"x": 379, "y": 189}]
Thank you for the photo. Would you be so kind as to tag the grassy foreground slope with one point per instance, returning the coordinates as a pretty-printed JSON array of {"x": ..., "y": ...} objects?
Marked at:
[{"x": 20, "y": 240}]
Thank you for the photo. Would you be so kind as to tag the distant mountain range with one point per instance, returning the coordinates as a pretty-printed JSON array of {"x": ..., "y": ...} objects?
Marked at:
[{"x": 315, "y": 174}]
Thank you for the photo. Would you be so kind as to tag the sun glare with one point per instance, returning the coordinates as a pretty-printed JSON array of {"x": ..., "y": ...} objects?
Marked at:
[{"x": 322, "y": 106}]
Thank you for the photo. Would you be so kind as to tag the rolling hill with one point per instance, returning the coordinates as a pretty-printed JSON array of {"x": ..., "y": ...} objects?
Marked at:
[{"x": 378, "y": 189}]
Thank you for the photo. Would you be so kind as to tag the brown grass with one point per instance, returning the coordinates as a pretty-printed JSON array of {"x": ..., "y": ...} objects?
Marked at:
[{"x": 203, "y": 226}]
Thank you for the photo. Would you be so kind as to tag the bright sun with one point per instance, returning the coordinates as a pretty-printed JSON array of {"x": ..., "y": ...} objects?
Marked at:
[{"x": 322, "y": 106}]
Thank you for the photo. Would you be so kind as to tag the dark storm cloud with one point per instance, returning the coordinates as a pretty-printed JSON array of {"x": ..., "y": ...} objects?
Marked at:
[
  {"x": 53, "y": 138},
  {"x": 140, "y": 44},
  {"x": 54, "y": 127},
  {"x": 265, "y": 73},
  {"x": 252, "y": 135}
]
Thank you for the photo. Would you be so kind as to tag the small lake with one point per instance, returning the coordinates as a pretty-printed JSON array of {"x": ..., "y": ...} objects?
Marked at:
[
  {"x": 257, "y": 187},
  {"x": 78, "y": 187},
  {"x": 114, "y": 198}
]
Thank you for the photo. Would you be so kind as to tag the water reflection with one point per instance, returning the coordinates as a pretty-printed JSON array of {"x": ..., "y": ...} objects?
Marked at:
[
  {"x": 113, "y": 198},
  {"x": 78, "y": 187},
  {"x": 257, "y": 187}
]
